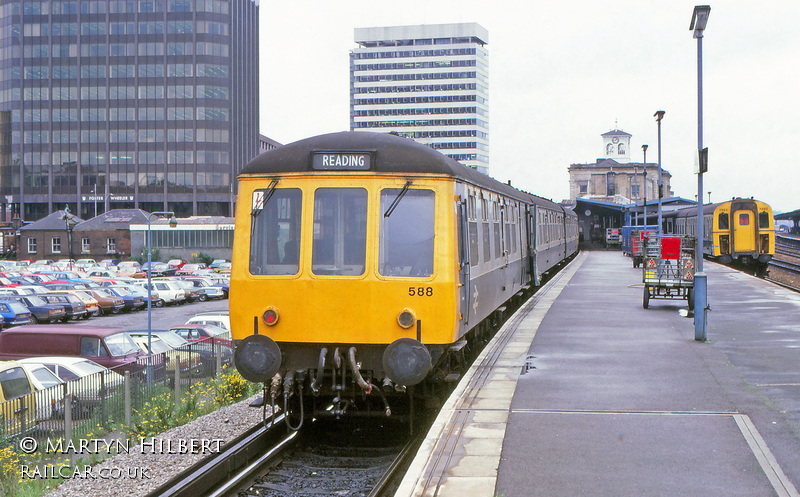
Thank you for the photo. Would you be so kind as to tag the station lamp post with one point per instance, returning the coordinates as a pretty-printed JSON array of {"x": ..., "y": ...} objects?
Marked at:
[
  {"x": 644, "y": 203},
  {"x": 172, "y": 223},
  {"x": 659, "y": 115},
  {"x": 697, "y": 26}
]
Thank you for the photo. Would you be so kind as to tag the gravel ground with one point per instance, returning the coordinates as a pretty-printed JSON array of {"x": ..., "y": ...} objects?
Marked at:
[{"x": 140, "y": 471}]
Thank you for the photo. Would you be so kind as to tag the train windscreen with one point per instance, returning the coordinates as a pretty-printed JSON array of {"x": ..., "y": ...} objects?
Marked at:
[{"x": 406, "y": 236}]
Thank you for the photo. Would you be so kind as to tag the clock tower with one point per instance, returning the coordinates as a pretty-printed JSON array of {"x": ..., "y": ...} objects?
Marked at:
[{"x": 617, "y": 146}]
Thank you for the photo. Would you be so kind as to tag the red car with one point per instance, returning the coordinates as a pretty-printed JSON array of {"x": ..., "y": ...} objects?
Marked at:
[{"x": 205, "y": 333}]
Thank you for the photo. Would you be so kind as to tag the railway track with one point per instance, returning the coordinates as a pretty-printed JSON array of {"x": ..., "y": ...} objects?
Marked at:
[
  {"x": 784, "y": 268},
  {"x": 326, "y": 458}
]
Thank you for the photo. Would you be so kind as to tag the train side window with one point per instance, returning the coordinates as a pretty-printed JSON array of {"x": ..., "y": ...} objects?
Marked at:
[
  {"x": 275, "y": 234},
  {"x": 722, "y": 221},
  {"x": 406, "y": 236},
  {"x": 340, "y": 231},
  {"x": 763, "y": 220}
]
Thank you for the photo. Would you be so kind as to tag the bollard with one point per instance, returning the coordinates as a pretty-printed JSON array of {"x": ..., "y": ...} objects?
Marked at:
[
  {"x": 177, "y": 384},
  {"x": 700, "y": 306},
  {"x": 218, "y": 358}
]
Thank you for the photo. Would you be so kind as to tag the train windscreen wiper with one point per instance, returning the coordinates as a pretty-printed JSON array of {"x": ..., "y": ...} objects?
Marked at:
[
  {"x": 264, "y": 199},
  {"x": 397, "y": 199}
]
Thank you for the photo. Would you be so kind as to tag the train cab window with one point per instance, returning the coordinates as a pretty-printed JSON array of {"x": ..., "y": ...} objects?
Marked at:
[
  {"x": 744, "y": 219},
  {"x": 275, "y": 232},
  {"x": 406, "y": 235},
  {"x": 722, "y": 221},
  {"x": 763, "y": 220},
  {"x": 340, "y": 231}
]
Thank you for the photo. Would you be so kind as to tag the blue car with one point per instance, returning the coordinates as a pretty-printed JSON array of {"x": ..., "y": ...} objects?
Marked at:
[{"x": 13, "y": 314}]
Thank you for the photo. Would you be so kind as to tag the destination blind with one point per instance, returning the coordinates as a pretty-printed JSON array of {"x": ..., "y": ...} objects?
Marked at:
[{"x": 324, "y": 161}]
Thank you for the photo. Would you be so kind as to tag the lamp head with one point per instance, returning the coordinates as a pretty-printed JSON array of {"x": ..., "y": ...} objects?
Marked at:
[
  {"x": 644, "y": 148},
  {"x": 699, "y": 20},
  {"x": 659, "y": 115},
  {"x": 173, "y": 221}
]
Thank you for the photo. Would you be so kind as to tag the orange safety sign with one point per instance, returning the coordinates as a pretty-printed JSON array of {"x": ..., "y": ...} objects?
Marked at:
[{"x": 651, "y": 263}]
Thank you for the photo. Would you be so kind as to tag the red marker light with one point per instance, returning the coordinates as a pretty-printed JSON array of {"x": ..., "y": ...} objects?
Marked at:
[{"x": 270, "y": 316}]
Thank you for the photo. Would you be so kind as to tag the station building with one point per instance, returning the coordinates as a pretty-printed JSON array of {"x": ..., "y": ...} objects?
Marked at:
[
  {"x": 615, "y": 178},
  {"x": 113, "y": 104},
  {"x": 426, "y": 82}
]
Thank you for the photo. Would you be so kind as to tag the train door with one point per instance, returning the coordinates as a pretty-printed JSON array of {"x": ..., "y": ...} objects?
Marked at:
[
  {"x": 744, "y": 231},
  {"x": 463, "y": 256}
]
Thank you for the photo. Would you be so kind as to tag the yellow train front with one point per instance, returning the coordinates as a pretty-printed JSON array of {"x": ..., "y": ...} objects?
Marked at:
[
  {"x": 741, "y": 230},
  {"x": 366, "y": 263}
]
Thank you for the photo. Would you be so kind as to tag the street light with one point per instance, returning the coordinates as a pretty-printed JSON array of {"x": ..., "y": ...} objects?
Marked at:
[
  {"x": 644, "y": 204},
  {"x": 69, "y": 223},
  {"x": 172, "y": 223},
  {"x": 698, "y": 25},
  {"x": 659, "y": 115}
]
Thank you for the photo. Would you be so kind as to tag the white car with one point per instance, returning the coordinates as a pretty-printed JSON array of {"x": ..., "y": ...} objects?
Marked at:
[
  {"x": 49, "y": 391},
  {"x": 88, "y": 382},
  {"x": 168, "y": 291},
  {"x": 218, "y": 318}
]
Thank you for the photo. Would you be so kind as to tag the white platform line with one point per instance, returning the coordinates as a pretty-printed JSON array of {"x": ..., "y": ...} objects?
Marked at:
[{"x": 783, "y": 487}]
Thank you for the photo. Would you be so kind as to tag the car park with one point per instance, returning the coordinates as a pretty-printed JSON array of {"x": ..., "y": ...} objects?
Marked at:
[
  {"x": 41, "y": 311},
  {"x": 88, "y": 382},
  {"x": 17, "y": 401},
  {"x": 13, "y": 314}
]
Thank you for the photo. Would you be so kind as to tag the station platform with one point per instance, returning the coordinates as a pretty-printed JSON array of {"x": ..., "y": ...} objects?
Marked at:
[{"x": 584, "y": 392}]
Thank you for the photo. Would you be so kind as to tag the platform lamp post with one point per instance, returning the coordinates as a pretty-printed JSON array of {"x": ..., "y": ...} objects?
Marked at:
[
  {"x": 644, "y": 203},
  {"x": 172, "y": 223},
  {"x": 697, "y": 26},
  {"x": 659, "y": 115}
]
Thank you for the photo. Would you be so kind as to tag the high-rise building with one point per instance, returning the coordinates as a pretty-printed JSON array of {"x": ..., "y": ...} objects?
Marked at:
[
  {"x": 149, "y": 104},
  {"x": 426, "y": 82}
]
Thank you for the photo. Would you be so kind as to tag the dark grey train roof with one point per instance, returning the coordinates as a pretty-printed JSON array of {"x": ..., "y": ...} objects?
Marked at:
[
  {"x": 709, "y": 208},
  {"x": 393, "y": 154}
]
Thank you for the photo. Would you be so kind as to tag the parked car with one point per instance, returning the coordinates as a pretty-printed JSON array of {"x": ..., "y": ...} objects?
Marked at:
[
  {"x": 89, "y": 302},
  {"x": 189, "y": 269},
  {"x": 216, "y": 262},
  {"x": 41, "y": 311},
  {"x": 140, "y": 291},
  {"x": 130, "y": 268},
  {"x": 190, "y": 362},
  {"x": 49, "y": 391},
  {"x": 176, "y": 263},
  {"x": 13, "y": 314},
  {"x": 203, "y": 333},
  {"x": 217, "y": 318},
  {"x": 17, "y": 401},
  {"x": 224, "y": 267},
  {"x": 88, "y": 382},
  {"x": 158, "y": 269},
  {"x": 168, "y": 291},
  {"x": 108, "y": 346},
  {"x": 206, "y": 351},
  {"x": 109, "y": 302},
  {"x": 131, "y": 302},
  {"x": 193, "y": 293},
  {"x": 209, "y": 291},
  {"x": 74, "y": 307}
]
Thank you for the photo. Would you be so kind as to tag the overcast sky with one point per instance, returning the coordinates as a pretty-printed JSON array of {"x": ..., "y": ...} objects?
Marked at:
[{"x": 562, "y": 73}]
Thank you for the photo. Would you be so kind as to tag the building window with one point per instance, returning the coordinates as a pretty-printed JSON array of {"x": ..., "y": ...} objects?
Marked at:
[
  {"x": 31, "y": 245},
  {"x": 55, "y": 245},
  {"x": 85, "y": 246},
  {"x": 111, "y": 245},
  {"x": 583, "y": 188}
]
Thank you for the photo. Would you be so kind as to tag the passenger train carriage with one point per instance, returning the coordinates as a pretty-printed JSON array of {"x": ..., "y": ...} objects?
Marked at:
[
  {"x": 740, "y": 229},
  {"x": 364, "y": 262}
]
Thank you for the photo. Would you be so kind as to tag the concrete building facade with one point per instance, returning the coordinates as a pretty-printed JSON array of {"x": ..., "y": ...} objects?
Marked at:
[
  {"x": 108, "y": 104},
  {"x": 426, "y": 82}
]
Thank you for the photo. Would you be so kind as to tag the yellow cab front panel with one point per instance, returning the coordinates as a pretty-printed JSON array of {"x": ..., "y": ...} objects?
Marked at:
[{"x": 337, "y": 258}]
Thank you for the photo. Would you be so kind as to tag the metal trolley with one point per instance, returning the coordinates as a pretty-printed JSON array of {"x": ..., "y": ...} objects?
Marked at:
[{"x": 668, "y": 268}]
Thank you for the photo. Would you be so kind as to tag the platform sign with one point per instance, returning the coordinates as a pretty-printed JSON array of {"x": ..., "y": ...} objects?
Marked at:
[{"x": 701, "y": 161}]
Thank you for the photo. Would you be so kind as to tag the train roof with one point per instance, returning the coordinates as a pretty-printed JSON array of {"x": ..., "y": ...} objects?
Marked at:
[
  {"x": 708, "y": 208},
  {"x": 390, "y": 154}
]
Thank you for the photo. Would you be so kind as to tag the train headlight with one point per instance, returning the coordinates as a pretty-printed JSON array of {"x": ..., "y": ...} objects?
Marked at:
[
  {"x": 270, "y": 316},
  {"x": 406, "y": 318}
]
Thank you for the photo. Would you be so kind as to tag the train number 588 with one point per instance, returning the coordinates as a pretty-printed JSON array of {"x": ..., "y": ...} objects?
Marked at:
[{"x": 420, "y": 291}]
